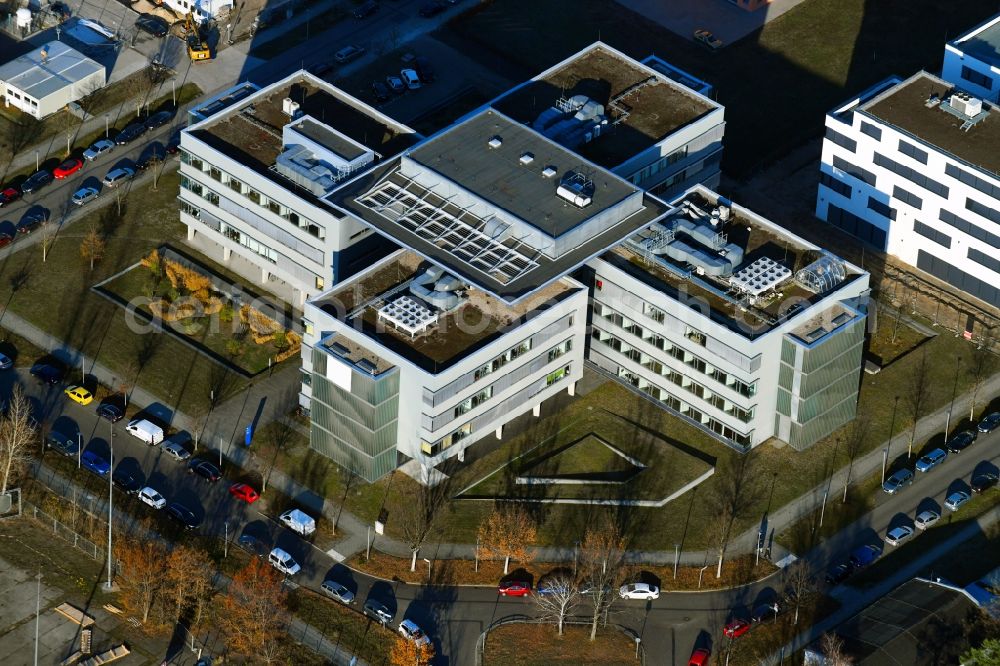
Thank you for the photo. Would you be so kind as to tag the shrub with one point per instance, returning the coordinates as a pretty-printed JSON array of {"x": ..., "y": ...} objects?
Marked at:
[
  {"x": 280, "y": 340},
  {"x": 226, "y": 313},
  {"x": 233, "y": 347}
]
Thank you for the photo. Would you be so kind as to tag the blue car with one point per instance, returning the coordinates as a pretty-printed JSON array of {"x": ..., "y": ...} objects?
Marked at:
[
  {"x": 554, "y": 586},
  {"x": 931, "y": 460},
  {"x": 95, "y": 463}
]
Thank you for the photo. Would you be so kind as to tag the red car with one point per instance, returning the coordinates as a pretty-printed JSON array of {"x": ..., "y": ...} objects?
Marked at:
[
  {"x": 6, "y": 239},
  {"x": 700, "y": 657},
  {"x": 514, "y": 588},
  {"x": 68, "y": 168},
  {"x": 736, "y": 628},
  {"x": 244, "y": 492},
  {"x": 9, "y": 195}
]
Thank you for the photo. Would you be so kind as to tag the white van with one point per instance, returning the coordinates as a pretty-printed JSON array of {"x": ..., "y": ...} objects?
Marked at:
[
  {"x": 298, "y": 521},
  {"x": 148, "y": 432},
  {"x": 283, "y": 562}
]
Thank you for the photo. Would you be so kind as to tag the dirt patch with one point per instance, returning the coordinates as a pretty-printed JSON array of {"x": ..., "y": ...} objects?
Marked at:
[{"x": 540, "y": 644}]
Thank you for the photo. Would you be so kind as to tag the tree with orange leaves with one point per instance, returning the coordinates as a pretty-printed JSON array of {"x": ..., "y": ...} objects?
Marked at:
[
  {"x": 254, "y": 616},
  {"x": 507, "y": 532},
  {"x": 140, "y": 574},
  {"x": 410, "y": 653}
]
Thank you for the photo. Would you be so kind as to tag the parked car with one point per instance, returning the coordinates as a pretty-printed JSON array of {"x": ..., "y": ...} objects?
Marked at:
[
  {"x": 85, "y": 195},
  {"x": 898, "y": 535},
  {"x": 79, "y": 394},
  {"x": 176, "y": 450},
  {"x": 983, "y": 482},
  {"x": 68, "y": 445},
  {"x": 48, "y": 374},
  {"x": 252, "y": 545},
  {"x": 926, "y": 518},
  {"x": 897, "y": 481},
  {"x": 130, "y": 133},
  {"x": 765, "y": 612},
  {"x": 152, "y": 24},
  {"x": 838, "y": 573},
  {"x": 736, "y": 628},
  {"x": 67, "y": 168},
  {"x": 95, "y": 463},
  {"x": 183, "y": 515},
  {"x": 410, "y": 78},
  {"x": 348, "y": 53},
  {"x": 98, "y": 148},
  {"x": 955, "y": 500},
  {"x": 128, "y": 480},
  {"x": 365, "y": 9},
  {"x": 244, "y": 492},
  {"x": 547, "y": 586},
  {"x": 381, "y": 91},
  {"x": 989, "y": 423},
  {"x": 30, "y": 223},
  {"x": 337, "y": 592},
  {"x": 377, "y": 611},
  {"x": 150, "y": 159},
  {"x": 961, "y": 441},
  {"x": 514, "y": 588},
  {"x": 707, "y": 38},
  {"x": 639, "y": 591},
  {"x": 298, "y": 521},
  {"x": 395, "y": 84},
  {"x": 158, "y": 119},
  {"x": 425, "y": 70},
  {"x": 5, "y": 239},
  {"x": 862, "y": 556},
  {"x": 700, "y": 657},
  {"x": 36, "y": 181},
  {"x": 205, "y": 470},
  {"x": 283, "y": 562},
  {"x": 146, "y": 430},
  {"x": 433, "y": 8},
  {"x": 410, "y": 630},
  {"x": 931, "y": 460},
  {"x": 110, "y": 412},
  {"x": 152, "y": 498},
  {"x": 116, "y": 177},
  {"x": 9, "y": 195},
  {"x": 320, "y": 69}
]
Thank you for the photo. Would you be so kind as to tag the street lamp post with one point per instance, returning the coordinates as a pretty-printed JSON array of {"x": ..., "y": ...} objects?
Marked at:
[
  {"x": 38, "y": 608},
  {"x": 954, "y": 389},
  {"x": 79, "y": 450},
  {"x": 701, "y": 572},
  {"x": 885, "y": 458},
  {"x": 477, "y": 554},
  {"x": 106, "y": 126},
  {"x": 428, "y": 569},
  {"x": 111, "y": 445},
  {"x": 677, "y": 557}
]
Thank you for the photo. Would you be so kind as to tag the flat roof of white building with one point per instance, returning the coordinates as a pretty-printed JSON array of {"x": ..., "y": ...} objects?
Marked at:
[{"x": 43, "y": 71}]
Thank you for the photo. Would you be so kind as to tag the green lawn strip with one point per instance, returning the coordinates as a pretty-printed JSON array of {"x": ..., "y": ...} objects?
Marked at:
[
  {"x": 55, "y": 296},
  {"x": 804, "y": 62},
  {"x": 890, "y": 341},
  {"x": 22, "y": 351},
  {"x": 584, "y": 457},
  {"x": 806, "y": 532},
  {"x": 535, "y": 644},
  {"x": 895, "y": 558},
  {"x": 347, "y": 628},
  {"x": 310, "y": 28}
]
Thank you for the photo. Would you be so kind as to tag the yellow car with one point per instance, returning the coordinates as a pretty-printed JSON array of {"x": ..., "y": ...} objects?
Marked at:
[{"x": 80, "y": 395}]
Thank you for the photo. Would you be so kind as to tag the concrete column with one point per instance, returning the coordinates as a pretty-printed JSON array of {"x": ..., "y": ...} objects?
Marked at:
[
  {"x": 461, "y": 456},
  {"x": 190, "y": 233},
  {"x": 226, "y": 253},
  {"x": 302, "y": 297},
  {"x": 499, "y": 432},
  {"x": 571, "y": 389},
  {"x": 537, "y": 410},
  {"x": 263, "y": 275}
]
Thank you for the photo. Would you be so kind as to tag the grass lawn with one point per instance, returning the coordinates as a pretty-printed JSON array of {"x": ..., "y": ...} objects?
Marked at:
[
  {"x": 317, "y": 24},
  {"x": 767, "y": 638},
  {"x": 541, "y": 645},
  {"x": 805, "y": 62},
  {"x": 342, "y": 626},
  {"x": 56, "y": 297},
  {"x": 890, "y": 341}
]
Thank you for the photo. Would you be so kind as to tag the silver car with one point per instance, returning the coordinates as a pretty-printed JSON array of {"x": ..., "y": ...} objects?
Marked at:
[
  {"x": 898, "y": 535},
  {"x": 177, "y": 451},
  {"x": 85, "y": 195},
  {"x": 99, "y": 148},
  {"x": 956, "y": 499},
  {"x": 336, "y": 591}
]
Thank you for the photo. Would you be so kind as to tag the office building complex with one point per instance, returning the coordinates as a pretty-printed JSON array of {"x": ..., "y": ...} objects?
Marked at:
[{"x": 972, "y": 62}]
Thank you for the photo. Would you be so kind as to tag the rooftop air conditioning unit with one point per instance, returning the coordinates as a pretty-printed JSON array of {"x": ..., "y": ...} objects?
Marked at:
[
  {"x": 290, "y": 107},
  {"x": 966, "y": 105},
  {"x": 527, "y": 158},
  {"x": 495, "y": 142},
  {"x": 549, "y": 171}
]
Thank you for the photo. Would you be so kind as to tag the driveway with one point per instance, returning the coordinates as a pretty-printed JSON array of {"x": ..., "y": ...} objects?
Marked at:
[{"x": 727, "y": 21}]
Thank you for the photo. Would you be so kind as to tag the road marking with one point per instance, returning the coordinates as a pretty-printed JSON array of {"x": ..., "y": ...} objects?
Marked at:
[{"x": 335, "y": 555}]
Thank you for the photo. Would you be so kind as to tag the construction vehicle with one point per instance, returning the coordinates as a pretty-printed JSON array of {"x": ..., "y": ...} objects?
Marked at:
[{"x": 196, "y": 44}]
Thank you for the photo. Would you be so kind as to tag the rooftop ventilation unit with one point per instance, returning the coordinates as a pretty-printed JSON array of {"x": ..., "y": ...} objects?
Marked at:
[
  {"x": 527, "y": 158},
  {"x": 495, "y": 142},
  {"x": 290, "y": 107},
  {"x": 967, "y": 105},
  {"x": 577, "y": 189},
  {"x": 548, "y": 172}
]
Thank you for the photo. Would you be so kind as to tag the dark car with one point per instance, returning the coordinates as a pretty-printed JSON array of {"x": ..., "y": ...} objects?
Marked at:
[
  {"x": 149, "y": 160},
  {"x": 110, "y": 412},
  {"x": 990, "y": 423},
  {"x": 95, "y": 463},
  {"x": 205, "y": 469},
  {"x": 253, "y": 545},
  {"x": 365, "y": 9},
  {"x": 9, "y": 195},
  {"x": 320, "y": 69},
  {"x": 152, "y": 24},
  {"x": 983, "y": 482},
  {"x": 839, "y": 573},
  {"x": 48, "y": 374},
  {"x": 183, "y": 515},
  {"x": 130, "y": 133},
  {"x": 864, "y": 555},
  {"x": 380, "y": 90},
  {"x": 158, "y": 119},
  {"x": 961, "y": 441},
  {"x": 128, "y": 480},
  {"x": 173, "y": 147},
  {"x": 68, "y": 445},
  {"x": 30, "y": 223},
  {"x": 765, "y": 612},
  {"x": 433, "y": 8},
  {"x": 395, "y": 84},
  {"x": 36, "y": 181},
  {"x": 425, "y": 70}
]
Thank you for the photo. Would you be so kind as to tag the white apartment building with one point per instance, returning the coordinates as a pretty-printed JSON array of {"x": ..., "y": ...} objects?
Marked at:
[
  {"x": 733, "y": 323},
  {"x": 912, "y": 168},
  {"x": 254, "y": 166},
  {"x": 972, "y": 62}
]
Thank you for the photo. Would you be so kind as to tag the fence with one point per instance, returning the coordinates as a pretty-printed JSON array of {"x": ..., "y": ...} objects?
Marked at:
[
  {"x": 64, "y": 531},
  {"x": 640, "y": 651}
]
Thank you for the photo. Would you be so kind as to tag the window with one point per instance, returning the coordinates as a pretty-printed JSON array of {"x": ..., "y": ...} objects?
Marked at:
[
  {"x": 973, "y": 181},
  {"x": 977, "y": 78},
  {"x": 988, "y": 212},
  {"x": 968, "y": 227},
  {"x": 474, "y": 401},
  {"x": 841, "y": 188},
  {"x": 841, "y": 140},
  {"x": 932, "y": 233},
  {"x": 882, "y": 209},
  {"x": 951, "y": 274},
  {"x": 214, "y": 173},
  {"x": 502, "y": 360},
  {"x": 854, "y": 225},
  {"x": 695, "y": 336},
  {"x": 235, "y": 185},
  {"x": 653, "y": 312},
  {"x": 433, "y": 449},
  {"x": 557, "y": 376},
  {"x": 910, "y": 150},
  {"x": 906, "y": 197},
  {"x": 195, "y": 162},
  {"x": 871, "y": 130},
  {"x": 911, "y": 175},
  {"x": 308, "y": 327},
  {"x": 559, "y": 350},
  {"x": 319, "y": 282},
  {"x": 984, "y": 260},
  {"x": 856, "y": 171},
  {"x": 253, "y": 195},
  {"x": 274, "y": 206}
]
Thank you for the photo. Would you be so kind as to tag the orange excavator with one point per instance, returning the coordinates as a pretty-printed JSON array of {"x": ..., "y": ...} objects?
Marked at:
[{"x": 197, "y": 46}]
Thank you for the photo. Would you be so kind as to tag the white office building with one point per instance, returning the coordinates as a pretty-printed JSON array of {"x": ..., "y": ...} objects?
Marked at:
[
  {"x": 913, "y": 168},
  {"x": 972, "y": 62},
  {"x": 45, "y": 80}
]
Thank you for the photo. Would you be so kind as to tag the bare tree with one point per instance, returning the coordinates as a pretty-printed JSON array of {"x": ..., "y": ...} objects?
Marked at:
[
  {"x": 984, "y": 362},
  {"x": 602, "y": 559},
  {"x": 737, "y": 488},
  {"x": 561, "y": 597},
  {"x": 507, "y": 532},
  {"x": 833, "y": 651},
  {"x": 140, "y": 574},
  {"x": 187, "y": 577},
  {"x": 92, "y": 246},
  {"x": 854, "y": 442},
  {"x": 155, "y": 165},
  {"x": 800, "y": 580},
  {"x": 919, "y": 391},
  {"x": 17, "y": 437},
  {"x": 254, "y": 616},
  {"x": 47, "y": 238},
  {"x": 420, "y": 513}
]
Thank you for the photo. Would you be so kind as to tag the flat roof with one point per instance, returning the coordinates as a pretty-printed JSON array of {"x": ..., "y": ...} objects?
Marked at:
[
  {"x": 982, "y": 42},
  {"x": 904, "y": 106},
  {"x": 652, "y": 111},
  {"x": 727, "y": 305},
  {"x": 462, "y": 154},
  {"x": 457, "y": 333},
  {"x": 360, "y": 357},
  {"x": 336, "y": 143},
  {"x": 40, "y": 76}
]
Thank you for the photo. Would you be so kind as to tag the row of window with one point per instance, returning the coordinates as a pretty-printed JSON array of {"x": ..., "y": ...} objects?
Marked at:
[
  {"x": 856, "y": 226},
  {"x": 973, "y": 230},
  {"x": 689, "y": 359},
  {"x": 659, "y": 165},
  {"x": 906, "y": 197},
  {"x": 984, "y": 259},
  {"x": 911, "y": 175},
  {"x": 838, "y": 186},
  {"x": 990, "y": 213},
  {"x": 912, "y": 151},
  {"x": 871, "y": 130},
  {"x": 978, "y": 78},
  {"x": 256, "y": 197},
  {"x": 973, "y": 181},
  {"x": 863, "y": 175},
  {"x": 16, "y": 95},
  {"x": 251, "y": 244},
  {"x": 938, "y": 237},
  {"x": 503, "y": 359},
  {"x": 883, "y": 209},
  {"x": 676, "y": 405},
  {"x": 942, "y": 270},
  {"x": 839, "y": 139}
]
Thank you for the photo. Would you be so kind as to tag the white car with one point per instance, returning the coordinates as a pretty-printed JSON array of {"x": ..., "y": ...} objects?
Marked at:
[
  {"x": 85, "y": 195},
  {"x": 898, "y": 535},
  {"x": 99, "y": 148},
  {"x": 410, "y": 630},
  {"x": 639, "y": 591},
  {"x": 154, "y": 499},
  {"x": 956, "y": 499},
  {"x": 410, "y": 78},
  {"x": 283, "y": 562},
  {"x": 118, "y": 176},
  {"x": 925, "y": 519}
]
